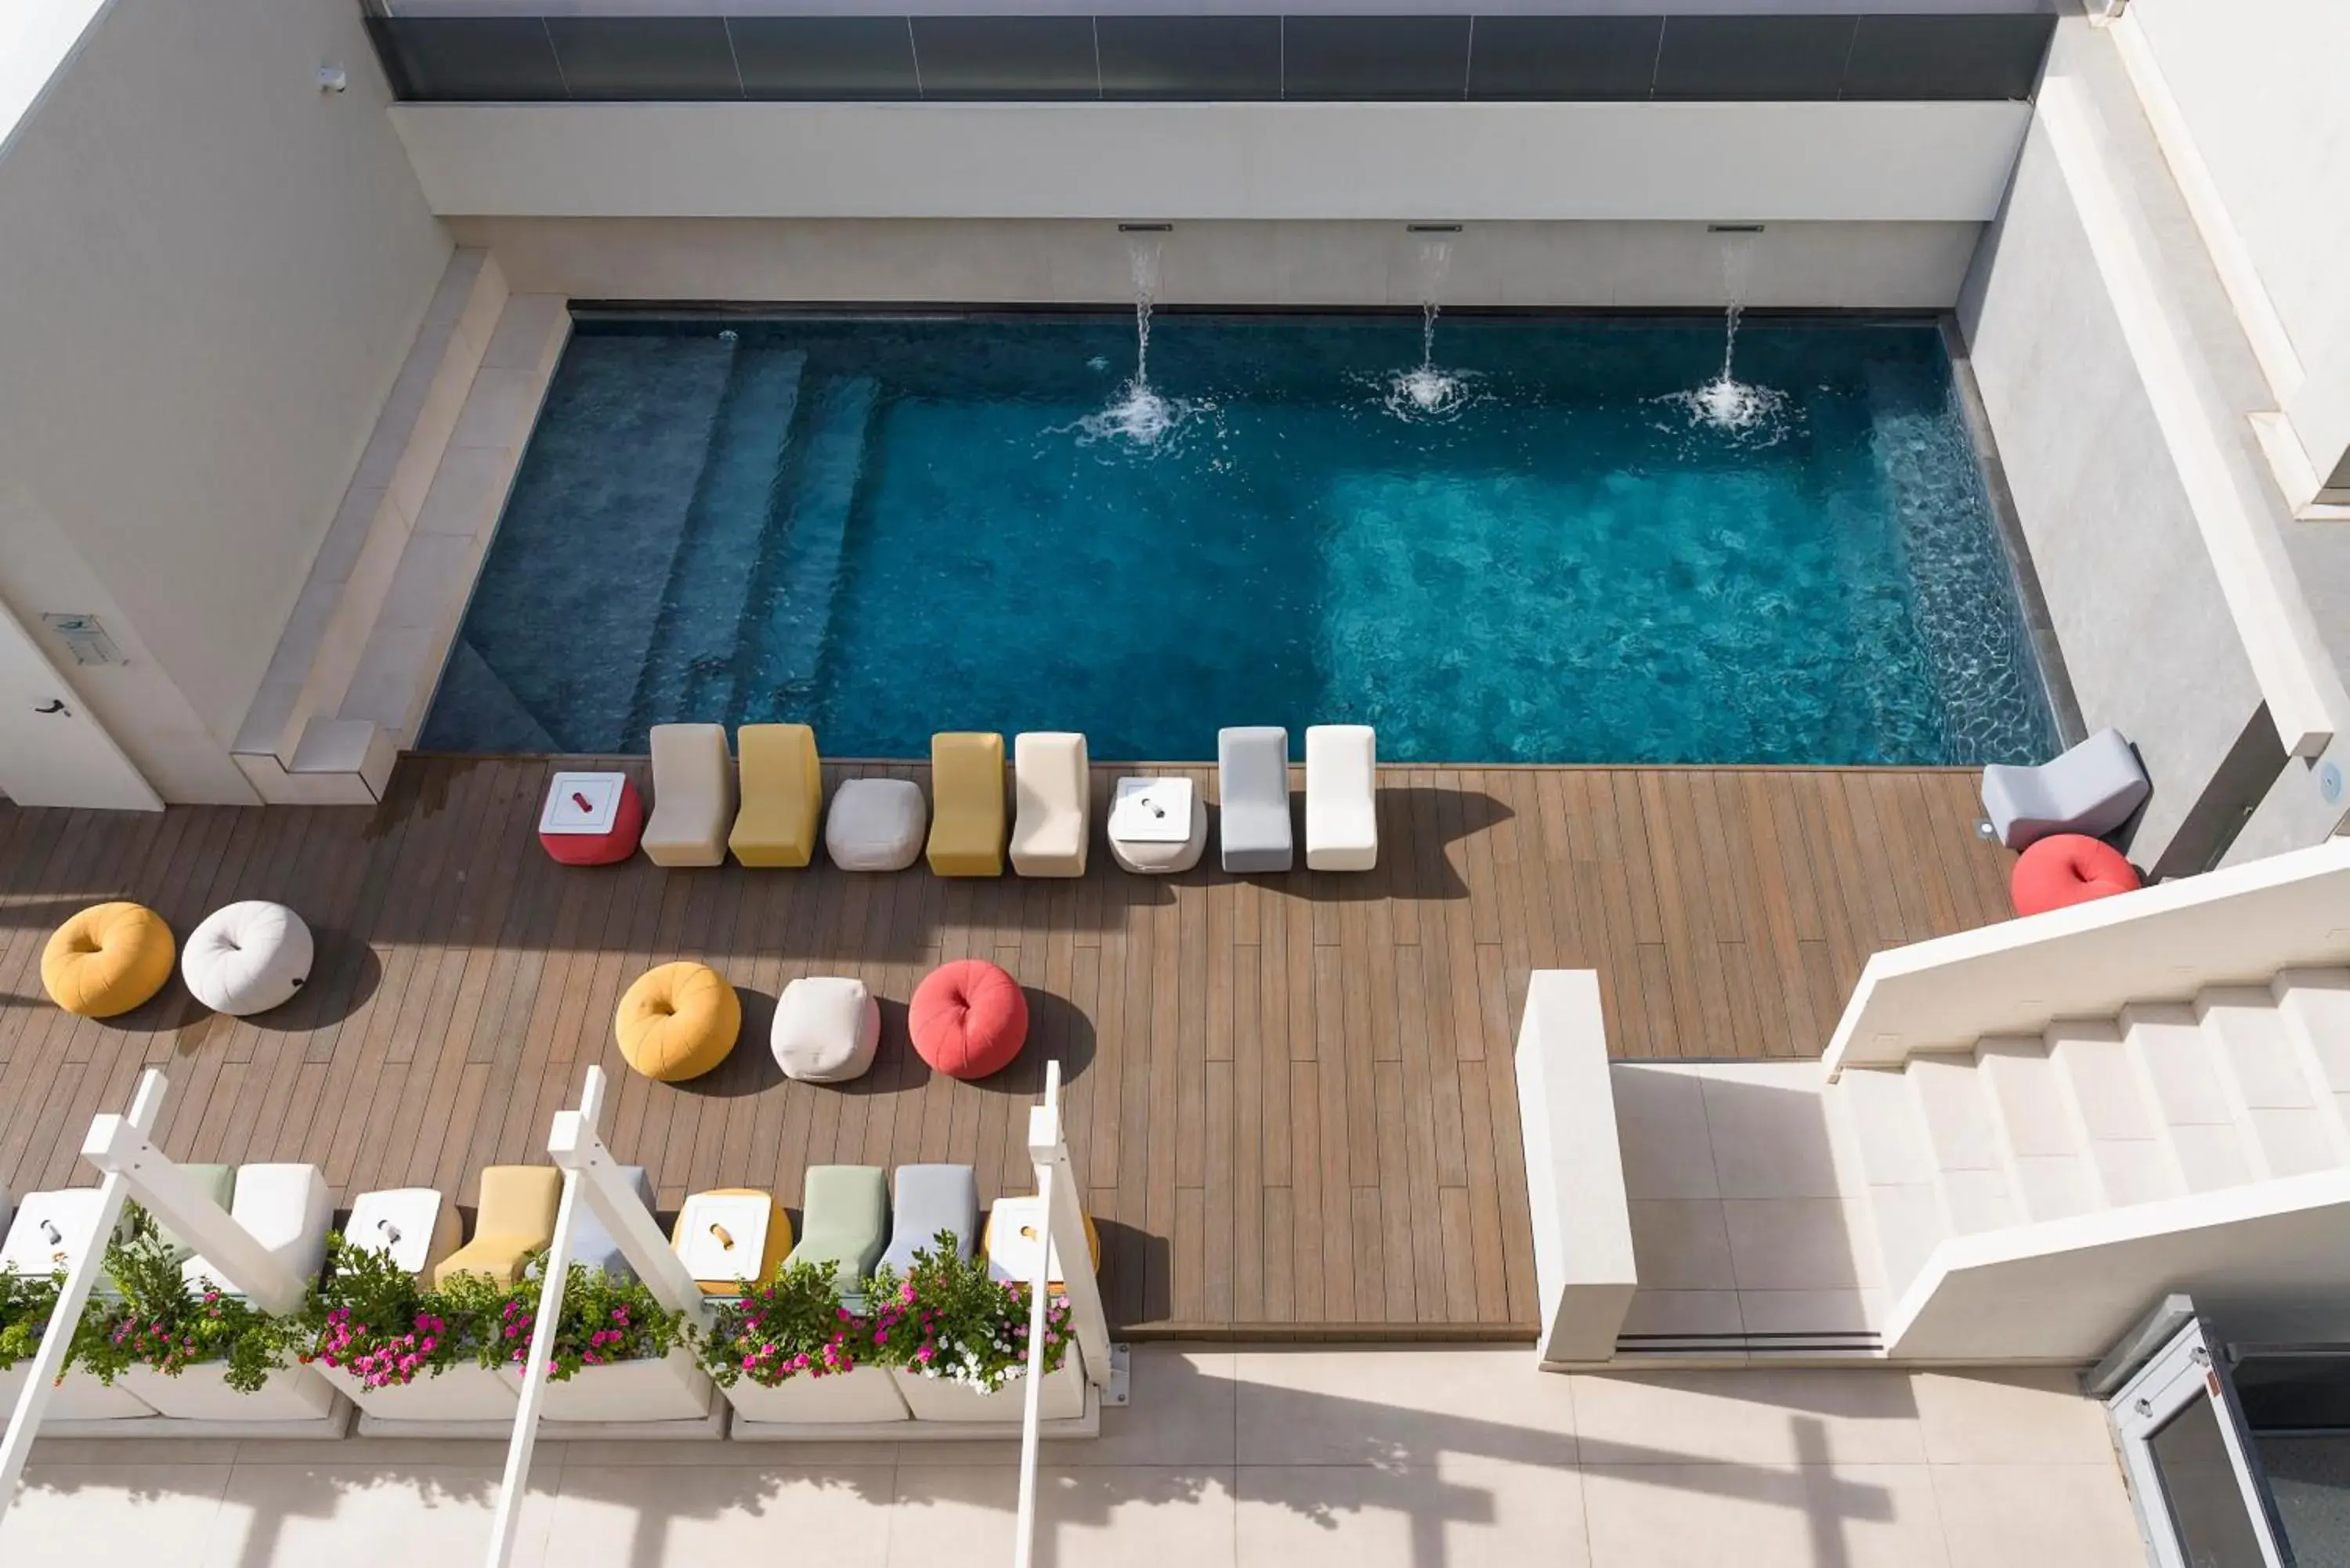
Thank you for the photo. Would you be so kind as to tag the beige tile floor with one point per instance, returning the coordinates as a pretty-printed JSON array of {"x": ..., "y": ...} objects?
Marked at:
[{"x": 1363, "y": 1458}]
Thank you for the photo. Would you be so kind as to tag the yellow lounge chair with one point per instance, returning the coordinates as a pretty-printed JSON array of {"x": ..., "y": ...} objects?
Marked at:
[
  {"x": 783, "y": 796},
  {"x": 967, "y": 805},
  {"x": 517, "y": 1217}
]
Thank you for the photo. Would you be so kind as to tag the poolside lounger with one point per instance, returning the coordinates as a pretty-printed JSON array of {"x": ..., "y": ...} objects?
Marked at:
[
  {"x": 516, "y": 1216},
  {"x": 2091, "y": 789},
  {"x": 1342, "y": 819},
  {"x": 782, "y": 794},
  {"x": 593, "y": 1246},
  {"x": 931, "y": 1198},
  {"x": 844, "y": 1215},
  {"x": 1050, "y": 785},
  {"x": 1252, "y": 773},
  {"x": 967, "y": 805},
  {"x": 693, "y": 796}
]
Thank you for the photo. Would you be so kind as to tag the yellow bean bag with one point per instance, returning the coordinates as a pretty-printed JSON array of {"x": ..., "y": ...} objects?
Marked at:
[
  {"x": 678, "y": 1022},
  {"x": 107, "y": 959}
]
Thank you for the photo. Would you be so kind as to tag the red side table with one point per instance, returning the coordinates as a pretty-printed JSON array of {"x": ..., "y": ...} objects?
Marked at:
[{"x": 591, "y": 819}]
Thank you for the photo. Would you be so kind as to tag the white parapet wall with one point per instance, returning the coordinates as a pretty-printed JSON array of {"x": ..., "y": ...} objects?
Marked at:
[
  {"x": 1583, "y": 1274},
  {"x": 2065, "y": 1291},
  {"x": 2240, "y": 925}
]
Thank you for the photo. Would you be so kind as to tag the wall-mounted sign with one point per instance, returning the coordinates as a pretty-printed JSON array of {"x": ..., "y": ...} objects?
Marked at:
[{"x": 84, "y": 638}]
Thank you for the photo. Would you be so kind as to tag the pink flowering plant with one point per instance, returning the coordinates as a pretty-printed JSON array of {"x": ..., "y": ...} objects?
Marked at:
[
  {"x": 794, "y": 1324},
  {"x": 25, "y": 1302},
  {"x": 947, "y": 1319},
  {"x": 371, "y": 1319},
  {"x": 157, "y": 1320},
  {"x": 606, "y": 1318}
]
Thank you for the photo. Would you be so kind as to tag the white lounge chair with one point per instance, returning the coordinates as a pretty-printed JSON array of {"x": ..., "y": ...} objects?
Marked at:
[
  {"x": 1253, "y": 777},
  {"x": 2091, "y": 789},
  {"x": 1342, "y": 820},
  {"x": 1050, "y": 789},
  {"x": 693, "y": 796}
]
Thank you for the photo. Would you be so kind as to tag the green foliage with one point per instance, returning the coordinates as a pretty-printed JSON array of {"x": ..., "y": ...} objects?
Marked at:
[
  {"x": 792, "y": 1326},
  {"x": 605, "y": 1318},
  {"x": 372, "y": 1318},
  {"x": 25, "y": 1302},
  {"x": 947, "y": 1319},
  {"x": 160, "y": 1321}
]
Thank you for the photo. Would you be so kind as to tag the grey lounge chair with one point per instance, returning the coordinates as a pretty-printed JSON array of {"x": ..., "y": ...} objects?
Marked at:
[
  {"x": 931, "y": 1198},
  {"x": 844, "y": 1215},
  {"x": 1252, "y": 770},
  {"x": 593, "y": 1246},
  {"x": 2091, "y": 789}
]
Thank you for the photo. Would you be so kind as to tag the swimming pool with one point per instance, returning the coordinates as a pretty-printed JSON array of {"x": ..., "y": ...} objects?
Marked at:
[{"x": 890, "y": 526}]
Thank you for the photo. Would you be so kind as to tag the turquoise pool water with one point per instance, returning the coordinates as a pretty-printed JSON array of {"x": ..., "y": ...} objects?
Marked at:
[{"x": 887, "y": 527}]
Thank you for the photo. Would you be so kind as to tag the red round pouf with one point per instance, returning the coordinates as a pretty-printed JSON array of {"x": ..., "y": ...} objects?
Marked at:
[
  {"x": 2069, "y": 869},
  {"x": 968, "y": 1019}
]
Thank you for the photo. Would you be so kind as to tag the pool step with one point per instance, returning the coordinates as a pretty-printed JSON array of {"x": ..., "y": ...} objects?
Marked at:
[
  {"x": 496, "y": 720},
  {"x": 789, "y": 617},
  {"x": 689, "y": 675}
]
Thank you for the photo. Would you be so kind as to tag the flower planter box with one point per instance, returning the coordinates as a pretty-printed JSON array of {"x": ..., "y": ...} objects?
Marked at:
[
  {"x": 199, "y": 1393},
  {"x": 671, "y": 1388},
  {"x": 81, "y": 1398},
  {"x": 866, "y": 1394},
  {"x": 460, "y": 1393},
  {"x": 936, "y": 1399}
]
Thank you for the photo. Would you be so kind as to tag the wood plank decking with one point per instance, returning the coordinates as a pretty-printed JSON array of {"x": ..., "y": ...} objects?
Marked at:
[{"x": 1291, "y": 1098}]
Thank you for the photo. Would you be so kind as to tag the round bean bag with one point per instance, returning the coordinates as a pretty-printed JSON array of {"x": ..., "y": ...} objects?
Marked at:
[
  {"x": 247, "y": 958},
  {"x": 968, "y": 1018},
  {"x": 678, "y": 1022},
  {"x": 2068, "y": 869},
  {"x": 107, "y": 960}
]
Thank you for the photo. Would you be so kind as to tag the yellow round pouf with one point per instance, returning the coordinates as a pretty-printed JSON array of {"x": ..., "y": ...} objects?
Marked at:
[
  {"x": 678, "y": 1022},
  {"x": 107, "y": 959}
]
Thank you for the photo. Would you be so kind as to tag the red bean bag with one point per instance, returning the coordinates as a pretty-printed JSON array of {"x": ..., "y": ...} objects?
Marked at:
[
  {"x": 968, "y": 1019},
  {"x": 2068, "y": 869}
]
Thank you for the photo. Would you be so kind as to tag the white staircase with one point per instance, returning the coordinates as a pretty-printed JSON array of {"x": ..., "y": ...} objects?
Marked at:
[{"x": 2245, "y": 1084}]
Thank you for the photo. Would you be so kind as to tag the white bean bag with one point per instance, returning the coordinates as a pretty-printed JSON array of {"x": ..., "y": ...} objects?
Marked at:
[
  {"x": 875, "y": 825},
  {"x": 247, "y": 958},
  {"x": 826, "y": 1030}
]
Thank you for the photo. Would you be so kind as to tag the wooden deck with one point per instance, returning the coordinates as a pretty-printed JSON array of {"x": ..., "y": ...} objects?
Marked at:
[{"x": 1291, "y": 1098}]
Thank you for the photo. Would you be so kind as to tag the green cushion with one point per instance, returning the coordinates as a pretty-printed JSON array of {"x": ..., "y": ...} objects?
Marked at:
[{"x": 845, "y": 1221}]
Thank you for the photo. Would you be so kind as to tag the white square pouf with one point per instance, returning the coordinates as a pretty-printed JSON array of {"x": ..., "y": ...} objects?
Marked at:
[
  {"x": 414, "y": 1224},
  {"x": 826, "y": 1030},
  {"x": 47, "y": 1233},
  {"x": 875, "y": 825},
  {"x": 723, "y": 1237}
]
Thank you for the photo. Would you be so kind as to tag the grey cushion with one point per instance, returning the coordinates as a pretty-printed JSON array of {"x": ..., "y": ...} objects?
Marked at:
[
  {"x": 593, "y": 1246},
  {"x": 1252, "y": 770},
  {"x": 2091, "y": 789},
  {"x": 931, "y": 1198}
]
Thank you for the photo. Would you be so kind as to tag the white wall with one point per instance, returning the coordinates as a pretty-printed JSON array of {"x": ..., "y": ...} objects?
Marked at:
[
  {"x": 1930, "y": 162},
  {"x": 1584, "y": 1273},
  {"x": 1915, "y": 266},
  {"x": 209, "y": 271}
]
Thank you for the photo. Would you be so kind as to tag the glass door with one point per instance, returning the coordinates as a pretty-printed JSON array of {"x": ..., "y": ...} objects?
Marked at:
[{"x": 2193, "y": 1478}]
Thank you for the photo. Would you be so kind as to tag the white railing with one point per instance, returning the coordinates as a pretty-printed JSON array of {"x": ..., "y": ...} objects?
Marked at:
[
  {"x": 2235, "y": 926},
  {"x": 1584, "y": 1270}
]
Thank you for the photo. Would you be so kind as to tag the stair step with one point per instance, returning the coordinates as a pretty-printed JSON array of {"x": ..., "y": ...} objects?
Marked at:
[
  {"x": 2264, "y": 1067},
  {"x": 793, "y": 611},
  {"x": 2052, "y": 1174},
  {"x": 1883, "y": 1112},
  {"x": 1960, "y": 1125},
  {"x": 2133, "y": 1164},
  {"x": 2315, "y": 1005},
  {"x": 2178, "y": 1070}
]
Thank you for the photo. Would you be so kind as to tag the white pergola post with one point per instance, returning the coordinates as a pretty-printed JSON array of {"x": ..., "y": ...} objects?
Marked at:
[
  {"x": 1065, "y": 1232},
  {"x": 592, "y": 1178}
]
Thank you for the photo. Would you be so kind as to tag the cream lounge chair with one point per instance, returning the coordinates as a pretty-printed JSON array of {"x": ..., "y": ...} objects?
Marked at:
[
  {"x": 693, "y": 796},
  {"x": 1342, "y": 820},
  {"x": 783, "y": 796},
  {"x": 1050, "y": 785},
  {"x": 967, "y": 805}
]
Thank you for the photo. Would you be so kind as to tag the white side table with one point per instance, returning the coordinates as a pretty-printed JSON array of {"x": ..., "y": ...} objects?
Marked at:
[
  {"x": 1157, "y": 826},
  {"x": 415, "y": 1225}
]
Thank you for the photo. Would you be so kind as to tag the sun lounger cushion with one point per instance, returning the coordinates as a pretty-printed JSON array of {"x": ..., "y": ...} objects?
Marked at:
[
  {"x": 1252, "y": 772},
  {"x": 845, "y": 1215},
  {"x": 516, "y": 1216},
  {"x": 875, "y": 825},
  {"x": 247, "y": 957},
  {"x": 1342, "y": 823},
  {"x": 967, "y": 805},
  {"x": 107, "y": 960},
  {"x": 2091, "y": 789},
  {"x": 1050, "y": 785},
  {"x": 783, "y": 796},
  {"x": 693, "y": 796},
  {"x": 286, "y": 1208},
  {"x": 592, "y": 1243},
  {"x": 678, "y": 1022},
  {"x": 931, "y": 1198},
  {"x": 217, "y": 1182},
  {"x": 826, "y": 1028}
]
